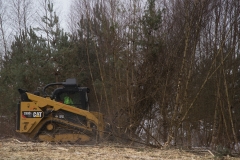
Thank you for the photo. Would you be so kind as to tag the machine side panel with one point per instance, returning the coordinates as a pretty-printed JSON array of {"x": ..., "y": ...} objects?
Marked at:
[{"x": 30, "y": 116}]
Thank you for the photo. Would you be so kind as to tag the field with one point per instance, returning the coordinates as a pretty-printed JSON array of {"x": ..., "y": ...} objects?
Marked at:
[{"x": 15, "y": 149}]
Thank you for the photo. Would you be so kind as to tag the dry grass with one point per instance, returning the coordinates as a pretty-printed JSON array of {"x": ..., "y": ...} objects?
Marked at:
[{"x": 15, "y": 149}]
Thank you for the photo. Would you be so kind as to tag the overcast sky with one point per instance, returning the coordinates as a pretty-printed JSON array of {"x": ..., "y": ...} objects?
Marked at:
[{"x": 64, "y": 6}]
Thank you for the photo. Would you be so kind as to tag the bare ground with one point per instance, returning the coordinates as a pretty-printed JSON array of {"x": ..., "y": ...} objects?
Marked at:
[{"x": 15, "y": 149}]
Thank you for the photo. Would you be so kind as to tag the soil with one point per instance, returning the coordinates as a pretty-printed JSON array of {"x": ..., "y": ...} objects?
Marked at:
[{"x": 12, "y": 149}]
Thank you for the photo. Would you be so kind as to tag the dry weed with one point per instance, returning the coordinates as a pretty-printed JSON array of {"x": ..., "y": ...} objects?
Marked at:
[{"x": 15, "y": 149}]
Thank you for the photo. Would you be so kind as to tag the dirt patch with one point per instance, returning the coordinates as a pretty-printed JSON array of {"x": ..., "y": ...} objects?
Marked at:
[{"x": 15, "y": 149}]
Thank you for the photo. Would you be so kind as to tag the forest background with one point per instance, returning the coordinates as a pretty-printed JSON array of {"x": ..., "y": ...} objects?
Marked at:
[{"x": 166, "y": 73}]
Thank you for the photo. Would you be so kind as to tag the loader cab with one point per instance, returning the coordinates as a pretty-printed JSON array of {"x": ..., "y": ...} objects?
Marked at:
[{"x": 77, "y": 95}]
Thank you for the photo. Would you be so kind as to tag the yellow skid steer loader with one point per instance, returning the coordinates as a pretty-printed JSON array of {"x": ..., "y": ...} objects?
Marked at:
[{"x": 62, "y": 117}]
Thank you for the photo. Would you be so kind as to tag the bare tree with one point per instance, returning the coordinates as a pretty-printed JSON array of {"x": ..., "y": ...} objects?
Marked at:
[
  {"x": 164, "y": 68},
  {"x": 3, "y": 28},
  {"x": 22, "y": 14}
]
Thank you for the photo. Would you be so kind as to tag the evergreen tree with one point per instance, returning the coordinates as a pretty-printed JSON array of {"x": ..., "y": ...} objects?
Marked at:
[{"x": 26, "y": 67}]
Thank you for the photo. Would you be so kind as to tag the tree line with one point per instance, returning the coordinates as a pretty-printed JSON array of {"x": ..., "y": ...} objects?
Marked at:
[{"x": 163, "y": 72}]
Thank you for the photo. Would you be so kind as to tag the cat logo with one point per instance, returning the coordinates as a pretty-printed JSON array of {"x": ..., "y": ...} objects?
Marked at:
[
  {"x": 37, "y": 114},
  {"x": 32, "y": 114}
]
